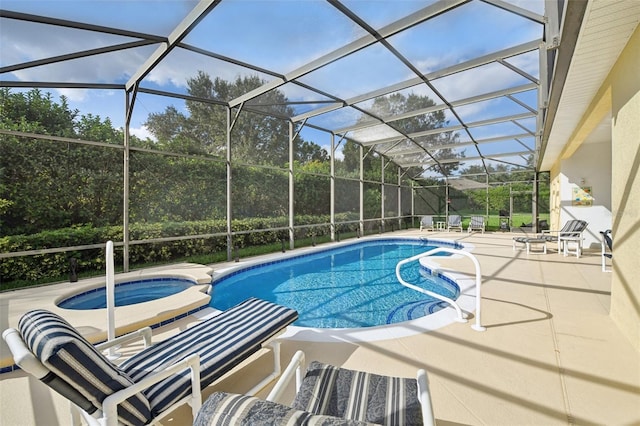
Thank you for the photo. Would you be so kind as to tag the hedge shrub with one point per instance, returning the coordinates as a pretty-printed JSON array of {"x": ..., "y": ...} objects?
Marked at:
[{"x": 54, "y": 265}]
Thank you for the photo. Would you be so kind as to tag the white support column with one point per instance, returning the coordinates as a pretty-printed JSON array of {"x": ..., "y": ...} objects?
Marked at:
[
  {"x": 534, "y": 203},
  {"x": 400, "y": 212},
  {"x": 361, "y": 150},
  {"x": 446, "y": 201},
  {"x": 125, "y": 182},
  {"x": 291, "y": 186},
  {"x": 413, "y": 201},
  {"x": 543, "y": 96},
  {"x": 229, "y": 188},
  {"x": 332, "y": 177},
  {"x": 111, "y": 300},
  {"x": 486, "y": 205},
  {"x": 552, "y": 23},
  {"x": 382, "y": 194}
]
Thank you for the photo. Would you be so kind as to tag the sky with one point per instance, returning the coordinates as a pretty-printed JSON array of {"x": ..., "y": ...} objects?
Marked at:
[{"x": 279, "y": 36}]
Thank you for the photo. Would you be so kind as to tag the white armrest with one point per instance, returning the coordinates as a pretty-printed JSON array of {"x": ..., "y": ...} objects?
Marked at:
[
  {"x": 145, "y": 333},
  {"x": 295, "y": 366},
  {"x": 424, "y": 396},
  {"x": 22, "y": 355},
  {"x": 110, "y": 403}
]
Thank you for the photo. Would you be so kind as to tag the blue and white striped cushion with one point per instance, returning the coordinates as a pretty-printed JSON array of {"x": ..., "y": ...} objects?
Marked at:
[
  {"x": 224, "y": 409},
  {"x": 357, "y": 395},
  {"x": 574, "y": 228},
  {"x": 76, "y": 361},
  {"x": 222, "y": 342}
]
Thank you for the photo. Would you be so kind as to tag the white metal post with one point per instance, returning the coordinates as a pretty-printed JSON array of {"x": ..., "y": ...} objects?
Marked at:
[
  {"x": 361, "y": 150},
  {"x": 382, "y": 194},
  {"x": 229, "y": 187},
  {"x": 332, "y": 177},
  {"x": 111, "y": 299},
  {"x": 291, "y": 186}
]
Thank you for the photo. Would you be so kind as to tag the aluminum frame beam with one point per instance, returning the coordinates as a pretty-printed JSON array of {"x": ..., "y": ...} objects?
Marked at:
[
  {"x": 463, "y": 66},
  {"x": 479, "y": 142},
  {"x": 413, "y": 19},
  {"x": 77, "y": 25},
  {"x": 440, "y": 107},
  {"x": 463, "y": 159},
  {"x": 176, "y": 36},
  {"x": 517, "y": 10}
]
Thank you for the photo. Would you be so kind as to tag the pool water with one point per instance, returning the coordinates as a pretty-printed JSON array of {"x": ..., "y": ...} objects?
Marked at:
[
  {"x": 350, "y": 287},
  {"x": 128, "y": 293}
]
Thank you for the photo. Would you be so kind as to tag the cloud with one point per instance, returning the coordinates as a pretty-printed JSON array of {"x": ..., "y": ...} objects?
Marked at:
[
  {"x": 141, "y": 132},
  {"x": 484, "y": 79},
  {"x": 435, "y": 63},
  {"x": 528, "y": 62},
  {"x": 24, "y": 42},
  {"x": 74, "y": 95}
]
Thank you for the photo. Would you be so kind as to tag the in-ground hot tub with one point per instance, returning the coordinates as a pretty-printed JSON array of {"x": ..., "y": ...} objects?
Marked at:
[{"x": 129, "y": 293}]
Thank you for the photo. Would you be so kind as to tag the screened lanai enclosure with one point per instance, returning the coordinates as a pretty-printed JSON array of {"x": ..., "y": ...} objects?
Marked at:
[{"x": 186, "y": 130}]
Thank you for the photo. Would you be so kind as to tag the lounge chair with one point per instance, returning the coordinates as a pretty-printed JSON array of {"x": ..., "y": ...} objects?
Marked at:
[
  {"x": 476, "y": 224},
  {"x": 455, "y": 222},
  {"x": 529, "y": 242},
  {"x": 607, "y": 248},
  {"x": 426, "y": 223},
  {"x": 571, "y": 232},
  {"x": 327, "y": 395},
  {"x": 151, "y": 383}
]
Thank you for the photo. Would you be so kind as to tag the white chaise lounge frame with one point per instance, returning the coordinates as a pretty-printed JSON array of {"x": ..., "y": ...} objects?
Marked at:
[
  {"x": 27, "y": 361},
  {"x": 267, "y": 321}
]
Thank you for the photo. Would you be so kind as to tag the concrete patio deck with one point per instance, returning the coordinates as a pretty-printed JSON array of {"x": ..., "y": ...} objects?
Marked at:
[{"x": 551, "y": 355}]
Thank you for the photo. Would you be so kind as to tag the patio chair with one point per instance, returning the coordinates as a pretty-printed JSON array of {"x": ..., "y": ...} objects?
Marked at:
[
  {"x": 455, "y": 222},
  {"x": 570, "y": 232},
  {"x": 607, "y": 248},
  {"x": 327, "y": 395},
  {"x": 151, "y": 383},
  {"x": 476, "y": 224},
  {"x": 426, "y": 223}
]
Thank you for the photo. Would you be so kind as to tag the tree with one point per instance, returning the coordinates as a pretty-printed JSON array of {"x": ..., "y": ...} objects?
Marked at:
[
  {"x": 313, "y": 188},
  {"x": 255, "y": 139},
  {"x": 36, "y": 112},
  {"x": 50, "y": 184},
  {"x": 350, "y": 164}
]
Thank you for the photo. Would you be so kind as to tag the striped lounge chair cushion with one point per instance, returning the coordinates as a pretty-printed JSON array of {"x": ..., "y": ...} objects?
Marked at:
[
  {"x": 359, "y": 396},
  {"x": 222, "y": 342},
  {"x": 223, "y": 409},
  {"x": 76, "y": 361}
]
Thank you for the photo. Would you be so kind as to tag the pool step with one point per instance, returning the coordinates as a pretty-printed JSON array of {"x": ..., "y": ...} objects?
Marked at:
[{"x": 415, "y": 309}]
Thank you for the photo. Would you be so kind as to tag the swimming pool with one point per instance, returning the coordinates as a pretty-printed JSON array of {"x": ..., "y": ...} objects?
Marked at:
[
  {"x": 348, "y": 287},
  {"x": 128, "y": 293}
]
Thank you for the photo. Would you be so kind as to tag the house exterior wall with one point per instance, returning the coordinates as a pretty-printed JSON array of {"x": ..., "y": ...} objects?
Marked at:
[
  {"x": 625, "y": 289},
  {"x": 619, "y": 94}
]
